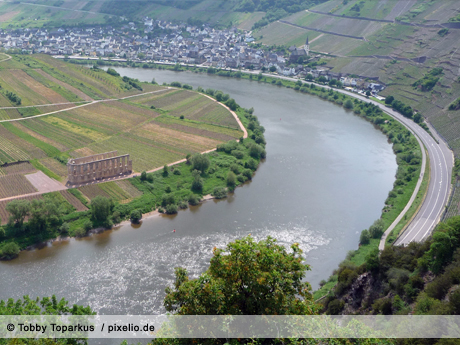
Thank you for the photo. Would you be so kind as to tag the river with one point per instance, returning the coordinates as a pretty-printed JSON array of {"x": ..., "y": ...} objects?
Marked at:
[{"x": 325, "y": 179}]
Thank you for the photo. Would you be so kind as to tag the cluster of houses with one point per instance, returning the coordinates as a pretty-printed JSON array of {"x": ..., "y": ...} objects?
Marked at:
[{"x": 161, "y": 41}]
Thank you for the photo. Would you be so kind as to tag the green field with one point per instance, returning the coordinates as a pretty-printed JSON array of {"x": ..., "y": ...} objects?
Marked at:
[{"x": 153, "y": 137}]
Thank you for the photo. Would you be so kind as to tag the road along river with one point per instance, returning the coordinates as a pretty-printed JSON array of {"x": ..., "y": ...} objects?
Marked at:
[{"x": 326, "y": 178}]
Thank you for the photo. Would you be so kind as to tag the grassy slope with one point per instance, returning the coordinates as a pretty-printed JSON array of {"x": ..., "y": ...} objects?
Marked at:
[{"x": 126, "y": 126}]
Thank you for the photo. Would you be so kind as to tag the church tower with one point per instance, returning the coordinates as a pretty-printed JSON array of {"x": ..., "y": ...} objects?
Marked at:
[{"x": 307, "y": 47}]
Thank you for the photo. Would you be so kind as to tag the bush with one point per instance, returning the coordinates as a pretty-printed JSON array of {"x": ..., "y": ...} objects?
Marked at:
[
  {"x": 238, "y": 154},
  {"x": 235, "y": 168},
  {"x": 167, "y": 199},
  {"x": 193, "y": 200},
  {"x": 9, "y": 250},
  {"x": 64, "y": 228},
  {"x": 257, "y": 151},
  {"x": 116, "y": 219},
  {"x": 177, "y": 172},
  {"x": 197, "y": 184},
  {"x": 231, "y": 179},
  {"x": 143, "y": 176},
  {"x": 88, "y": 225},
  {"x": 247, "y": 173},
  {"x": 161, "y": 210},
  {"x": 376, "y": 229},
  {"x": 183, "y": 205},
  {"x": 219, "y": 193},
  {"x": 182, "y": 117},
  {"x": 251, "y": 164},
  {"x": 334, "y": 307},
  {"x": 365, "y": 237},
  {"x": 136, "y": 216},
  {"x": 348, "y": 104},
  {"x": 80, "y": 232},
  {"x": 165, "y": 170},
  {"x": 171, "y": 209},
  {"x": 200, "y": 162}
]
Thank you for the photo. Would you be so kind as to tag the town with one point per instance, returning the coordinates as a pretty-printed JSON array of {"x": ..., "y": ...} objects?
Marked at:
[{"x": 165, "y": 42}]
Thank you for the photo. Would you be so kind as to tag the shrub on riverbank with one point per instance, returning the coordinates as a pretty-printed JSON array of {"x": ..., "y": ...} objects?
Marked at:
[{"x": 187, "y": 183}]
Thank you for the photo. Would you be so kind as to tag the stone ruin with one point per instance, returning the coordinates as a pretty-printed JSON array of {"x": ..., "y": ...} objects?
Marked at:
[{"x": 98, "y": 167}]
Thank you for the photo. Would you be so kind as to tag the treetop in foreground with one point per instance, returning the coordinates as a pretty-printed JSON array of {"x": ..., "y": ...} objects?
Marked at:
[{"x": 245, "y": 278}]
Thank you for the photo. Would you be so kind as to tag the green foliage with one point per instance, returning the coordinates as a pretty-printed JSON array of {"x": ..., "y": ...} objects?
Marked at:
[
  {"x": 364, "y": 237},
  {"x": 197, "y": 183},
  {"x": 193, "y": 200},
  {"x": 200, "y": 162},
  {"x": 171, "y": 209},
  {"x": 231, "y": 179},
  {"x": 443, "y": 32},
  {"x": 389, "y": 99},
  {"x": 219, "y": 193},
  {"x": 348, "y": 104},
  {"x": 165, "y": 170},
  {"x": 136, "y": 216},
  {"x": 376, "y": 229},
  {"x": 455, "y": 105},
  {"x": 273, "y": 285},
  {"x": 45, "y": 306},
  {"x": 8, "y": 251},
  {"x": 19, "y": 210},
  {"x": 101, "y": 209},
  {"x": 429, "y": 80},
  {"x": 111, "y": 71}
]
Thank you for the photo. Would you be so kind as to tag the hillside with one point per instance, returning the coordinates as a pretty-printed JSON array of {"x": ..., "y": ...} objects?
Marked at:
[
  {"x": 51, "y": 111},
  {"x": 410, "y": 46},
  {"x": 421, "y": 279}
]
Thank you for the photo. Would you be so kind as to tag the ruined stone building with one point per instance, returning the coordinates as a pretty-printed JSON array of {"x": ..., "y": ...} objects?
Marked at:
[{"x": 98, "y": 167}]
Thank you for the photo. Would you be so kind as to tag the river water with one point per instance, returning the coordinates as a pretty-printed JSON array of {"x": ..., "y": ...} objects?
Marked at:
[{"x": 325, "y": 179}]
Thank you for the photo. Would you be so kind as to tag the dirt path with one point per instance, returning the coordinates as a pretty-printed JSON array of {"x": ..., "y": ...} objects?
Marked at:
[
  {"x": 44, "y": 184},
  {"x": 78, "y": 106}
]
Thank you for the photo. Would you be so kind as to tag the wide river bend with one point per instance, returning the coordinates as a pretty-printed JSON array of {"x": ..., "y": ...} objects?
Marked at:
[{"x": 325, "y": 179}]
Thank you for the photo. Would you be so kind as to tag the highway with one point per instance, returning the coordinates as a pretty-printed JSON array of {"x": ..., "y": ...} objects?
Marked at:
[{"x": 441, "y": 164}]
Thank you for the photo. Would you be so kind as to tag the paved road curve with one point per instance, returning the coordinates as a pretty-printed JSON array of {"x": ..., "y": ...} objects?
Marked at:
[{"x": 441, "y": 164}]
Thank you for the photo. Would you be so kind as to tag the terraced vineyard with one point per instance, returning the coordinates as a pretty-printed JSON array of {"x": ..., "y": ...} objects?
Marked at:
[
  {"x": 55, "y": 128},
  {"x": 72, "y": 200},
  {"x": 13, "y": 185}
]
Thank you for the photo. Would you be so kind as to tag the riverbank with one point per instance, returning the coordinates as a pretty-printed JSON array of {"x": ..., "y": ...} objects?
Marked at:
[
  {"x": 384, "y": 123},
  {"x": 167, "y": 189},
  {"x": 401, "y": 194}
]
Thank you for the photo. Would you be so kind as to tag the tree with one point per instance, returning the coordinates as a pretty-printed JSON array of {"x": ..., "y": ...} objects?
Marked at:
[
  {"x": 348, "y": 104},
  {"x": 143, "y": 176},
  {"x": 231, "y": 104},
  {"x": 165, "y": 170},
  {"x": 197, "y": 183},
  {"x": 365, "y": 237},
  {"x": 136, "y": 216},
  {"x": 9, "y": 251},
  {"x": 231, "y": 179},
  {"x": 368, "y": 93},
  {"x": 272, "y": 68},
  {"x": 19, "y": 210},
  {"x": 389, "y": 99},
  {"x": 200, "y": 162},
  {"x": 245, "y": 278},
  {"x": 100, "y": 208}
]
